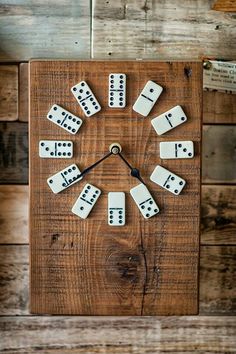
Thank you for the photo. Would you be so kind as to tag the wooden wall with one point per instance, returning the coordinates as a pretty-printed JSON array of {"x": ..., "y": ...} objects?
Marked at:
[{"x": 165, "y": 29}]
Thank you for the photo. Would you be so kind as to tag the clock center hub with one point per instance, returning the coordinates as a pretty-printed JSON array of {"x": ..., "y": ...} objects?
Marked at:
[{"x": 115, "y": 148}]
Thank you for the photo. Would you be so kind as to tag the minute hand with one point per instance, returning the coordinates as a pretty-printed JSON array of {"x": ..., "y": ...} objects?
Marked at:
[
  {"x": 88, "y": 169},
  {"x": 133, "y": 171}
]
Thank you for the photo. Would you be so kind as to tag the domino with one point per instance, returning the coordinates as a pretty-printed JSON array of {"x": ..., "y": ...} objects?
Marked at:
[
  {"x": 117, "y": 91},
  {"x": 176, "y": 150},
  {"x": 116, "y": 208},
  {"x": 169, "y": 120},
  {"x": 64, "y": 119},
  {"x": 86, "y": 201},
  {"x": 64, "y": 179},
  {"x": 86, "y": 98},
  {"x": 147, "y": 98},
  {"x": 144, "y": 201},
  {"x": 55, "y": 149},
  {"x": 167, "y": 180}
]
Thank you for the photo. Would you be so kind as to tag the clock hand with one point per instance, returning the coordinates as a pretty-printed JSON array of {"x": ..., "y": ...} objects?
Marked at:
[
  {"x": 133, "y": 171},
  {"x": 88, "y": 169},
  {"x": 116, "y": 149}
]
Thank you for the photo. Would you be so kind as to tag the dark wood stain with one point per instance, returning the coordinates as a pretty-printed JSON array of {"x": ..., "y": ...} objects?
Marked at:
[{"x": 14, "y": 153}]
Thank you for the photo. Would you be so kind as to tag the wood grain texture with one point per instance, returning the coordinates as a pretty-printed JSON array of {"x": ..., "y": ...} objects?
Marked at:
[
  {"x": 161, "y": 30},
  {"x": 219, "y": 107},
  {"x": 8, "y": 92},
  {"x": 14, "y": 214},
  {"x": 43, "y": 29},
  {"x": 23, "y": 92},
  {"x": 14, "y": 280},
  {"x": 217, "y": 285},
  {"x": 13, "y": 153},
  {"x": 218, "y": 217},
  {"x": 92, "y": 267},
  {"x": 219, "y": 154},
  {"x": 225, "y": 5},
  {"x": 122, "y": 335},
  {"x": 217, "y": 273}
]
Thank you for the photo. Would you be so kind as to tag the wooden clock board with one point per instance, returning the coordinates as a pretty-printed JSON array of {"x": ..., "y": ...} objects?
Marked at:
[{"x": 86, "y": 267}]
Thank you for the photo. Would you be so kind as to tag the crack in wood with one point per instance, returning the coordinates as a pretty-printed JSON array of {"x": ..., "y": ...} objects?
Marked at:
[{"x": 143, "y": 252}]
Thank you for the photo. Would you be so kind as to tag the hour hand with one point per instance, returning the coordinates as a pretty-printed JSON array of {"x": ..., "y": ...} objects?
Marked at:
[
  {"x": 115, "y": 149},
  {"x": 135, "y": 173}
]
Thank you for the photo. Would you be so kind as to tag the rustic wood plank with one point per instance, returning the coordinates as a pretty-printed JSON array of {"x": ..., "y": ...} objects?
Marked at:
[
  {"x": 134, "y": 254},
  {"x": 217, "y": 285},
  {"x": 23, "y": 92},
  {"x": 225, "y": 5},
  {"x": 14, "y": 280},
  {"x": 8, "y": 92},
  {"x": 14, "y": 214},
  {"x": 219, "y": 154},
  {"x": 217, "y": 276},
  {"x": 218, "y": 218},
  {"x": 219, "y": 107},
  {"x": 55, "y": 29},
  {"x": 122, "y": 335},
  {"x": 161, "y": 30},
  {"x": 13, "y": 153}
]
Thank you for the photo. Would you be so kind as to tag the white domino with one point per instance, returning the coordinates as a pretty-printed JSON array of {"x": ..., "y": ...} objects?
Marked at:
[
  {"x": 64, "y": 179},
  {"x": 144, "y": 201},
  {"x": 86, "y": 98},
  {"x": 64, "y": 119},
  {"x": 116, "y": 208},
  {"x": 176, "y": 150},
  {"x": 86, "y": 201},
  {"x": 55, "y": 149},
  {"x": 167, "y": 180},
  {"x": 117, "y": 90},
  {"x": 169, "y": 120},
  {"x": 147, "y": 98}
]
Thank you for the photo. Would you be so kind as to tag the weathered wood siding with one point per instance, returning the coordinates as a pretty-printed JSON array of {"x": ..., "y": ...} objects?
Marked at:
[
  {"x": 44, "y": 29},
  {"x": 161, "y": 30}
]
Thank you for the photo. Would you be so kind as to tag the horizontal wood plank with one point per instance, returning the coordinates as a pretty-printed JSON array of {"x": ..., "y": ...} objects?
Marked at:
[
  {"x": 219, "y": 107},
  {"x": 225, "y": 5},
  {"x": 217, "y": 285},
  {"x": 23, "y": 92},
  {"x": 55, "y": 29},
  {"x": 8, "y": 92},
  {"x": 218, "y": 216},
  {"x": 14, "y": 214},
  {"x": 219, "y": 154},
  {"x": 14, "y": 280},
  {"x": 120, "y": 335},
  {"x": 13, "y": 153},
  {"x": 161, "y": 30},
  {"x": 217, "y": 280}
]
